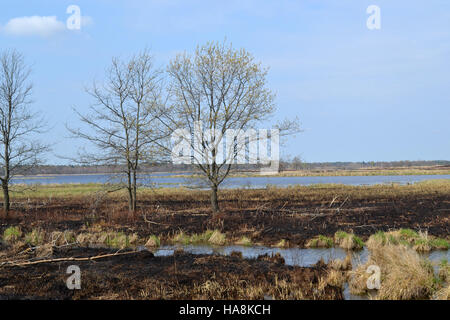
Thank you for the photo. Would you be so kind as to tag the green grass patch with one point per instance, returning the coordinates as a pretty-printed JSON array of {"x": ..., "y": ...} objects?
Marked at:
[
  {"x": 196, "y": 238},
  {"x": 217, "y": 238},
  {"x": 282, "y": 244},
  {"x": 35, "y": 237},
  {"x": 320, "y": 241},
  {"x": 245, "y": 241},
  {"x": 12, "y": 234},
  {"x": 341, "y": 235},
  {"x": 153, "y": 241},
  {"x": 408, "y": 234},
  {"x": 117, "y": 240},
  {"x": 440, "y": 244},
  {"x": 348, "y": 241}
]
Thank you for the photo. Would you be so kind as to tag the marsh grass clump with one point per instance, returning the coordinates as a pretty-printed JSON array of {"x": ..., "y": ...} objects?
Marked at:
[
  {"x": 117, "y": 240},
  {"x": 422, "y": 245},
  {"x": 59, "y": 238},
  {"x": 419, "y": 241},
  {"x": 348, "y": 241},
  {"x": 376, "y": 240},
  {"x": 244, "y": 241},
  {"x": 196, "y": 238},
  {"x": 12, "y": 234},
  {"x": 283, "y": 243},
  {"x": 217, "y": 238},
  {"x": 443, "y": 293},
  {"x": 439, "y": 244},
  {"x": 44, "y": 250},
  {"x": 35, "y": 237},
  {"x": 342, "y": 264},
  {"x": 234, "y": 288},
  {"x": 333, "y": 278},
  {"x": 181, "y": 238},
  {"x": 202, "y": 237},
  {"x": 320, "y": 241},
  {"x": 153, "y": 242},
  {"x": 444, "y": 270},
  {"x": 404, "y": 274},
  {"x": 111, "y": 239}
]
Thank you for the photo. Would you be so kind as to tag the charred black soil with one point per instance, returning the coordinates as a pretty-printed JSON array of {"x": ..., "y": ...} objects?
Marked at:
[
  {"x": 140, "y": 275},
  {"x": 265, "y": 216}
]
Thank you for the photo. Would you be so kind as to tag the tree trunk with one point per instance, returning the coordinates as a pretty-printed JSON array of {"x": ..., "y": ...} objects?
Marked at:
[
  {"x": 134, "y": 191},
  {"x": 130, "y": 192},
  {"x": 5, "y": 197},
  {"x": 214, "y": 201}
]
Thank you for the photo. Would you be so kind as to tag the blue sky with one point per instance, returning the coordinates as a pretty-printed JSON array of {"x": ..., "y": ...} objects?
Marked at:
[{"x": 360, "y": 94}]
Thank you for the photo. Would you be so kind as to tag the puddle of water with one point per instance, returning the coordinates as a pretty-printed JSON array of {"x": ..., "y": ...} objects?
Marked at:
[
  {"x": 292, "y": 256},
  {"x": 295, "y": 256}
]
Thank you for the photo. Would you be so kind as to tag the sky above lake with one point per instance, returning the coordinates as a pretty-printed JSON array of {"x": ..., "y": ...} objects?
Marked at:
[{"x": 360, "y": 94}]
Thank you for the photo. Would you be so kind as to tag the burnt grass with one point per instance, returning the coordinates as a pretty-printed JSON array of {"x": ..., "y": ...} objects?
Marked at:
[
  {"x": 141, "y": 275},
  {"x": 265, "y": 216}
]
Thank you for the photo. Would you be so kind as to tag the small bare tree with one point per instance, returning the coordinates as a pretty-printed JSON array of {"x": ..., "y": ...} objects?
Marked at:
[
  {"x": 18, "y": 123},
  {"x": 220, "y": 90},
  {"x": 123, "y": 124}
]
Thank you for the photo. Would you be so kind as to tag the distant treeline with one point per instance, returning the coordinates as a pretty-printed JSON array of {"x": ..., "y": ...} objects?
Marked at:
[
  {"x": 296, "y": 164},
  {"x": 293, "y": 164}
]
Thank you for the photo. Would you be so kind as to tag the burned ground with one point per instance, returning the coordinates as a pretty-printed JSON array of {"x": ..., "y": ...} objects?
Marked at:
[
  {"x": 265, "y": 216},
  {"x": 141, "y": 275}
]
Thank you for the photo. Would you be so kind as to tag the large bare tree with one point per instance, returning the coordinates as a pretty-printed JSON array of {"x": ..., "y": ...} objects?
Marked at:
[
  {"x": 123, "y": 123},
  {"x": 19, "y": 124},
  {"x": 216, "y": 91}
]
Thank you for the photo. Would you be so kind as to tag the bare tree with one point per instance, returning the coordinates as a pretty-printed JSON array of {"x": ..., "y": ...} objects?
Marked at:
[
  {"x": 219, "y": 90},
  {"x": 123, "y": 124},
  {"x": 18, "y": 123}
]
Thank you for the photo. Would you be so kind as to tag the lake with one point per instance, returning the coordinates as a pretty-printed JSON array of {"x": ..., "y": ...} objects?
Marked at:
[{"x": 172, "y": 180}]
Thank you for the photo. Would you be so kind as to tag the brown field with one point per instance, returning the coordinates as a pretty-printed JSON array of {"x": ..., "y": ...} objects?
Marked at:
[
  {"x": 272, "y": 216},
  {"x": 181, "y": 276},
  {"x": 265, "y": 216}
]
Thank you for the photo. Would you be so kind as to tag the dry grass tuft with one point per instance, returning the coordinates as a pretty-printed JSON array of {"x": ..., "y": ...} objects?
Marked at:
[
  {"x": 320, "y": 242},
  {"x": 153, "y": 242},
  {"x": 342, "y": 265},
  {"x": 217, "y": 238},
  {"x": 404, "y": 274},
  {"x": 348, "y": 241},
  {"x": 244, "y": 241},
  {"x": 443, "y": 294},
  {"x": 12, "y": 234},
  {"x": 59, "y": 238},
  {"x": 419, "y": 241},
  {"x": 444, "y": 271},
  {"x": 283, "y": 243},
  {"x": 334, "y": 278},
  {"x": 35, "y": 237}
]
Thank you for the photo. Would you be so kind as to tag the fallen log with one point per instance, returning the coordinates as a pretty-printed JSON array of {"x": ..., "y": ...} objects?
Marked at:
[{"x": 27, "y": 263}]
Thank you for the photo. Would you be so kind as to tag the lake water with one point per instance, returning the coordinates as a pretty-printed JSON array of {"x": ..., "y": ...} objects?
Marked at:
[{"x": 169, "y": 180}]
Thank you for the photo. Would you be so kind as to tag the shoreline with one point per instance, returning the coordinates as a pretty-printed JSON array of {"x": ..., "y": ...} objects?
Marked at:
[{"x": 426, "y": 171}]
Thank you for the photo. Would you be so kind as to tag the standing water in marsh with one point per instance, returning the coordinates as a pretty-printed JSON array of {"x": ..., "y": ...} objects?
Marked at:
[{"x": 295, "y": 256}]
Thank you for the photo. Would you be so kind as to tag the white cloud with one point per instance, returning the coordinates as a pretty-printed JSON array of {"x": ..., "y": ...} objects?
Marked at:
[{"x": 34, "y": 26}]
